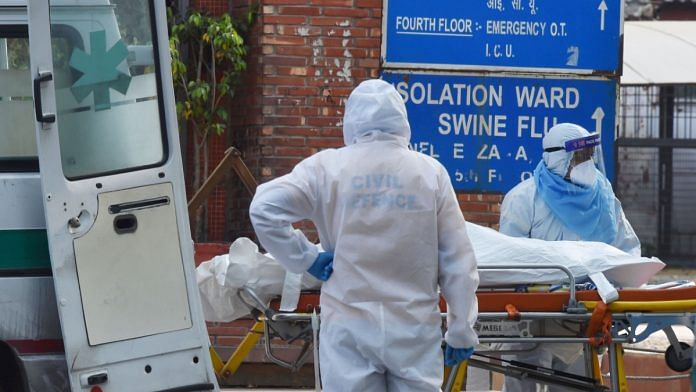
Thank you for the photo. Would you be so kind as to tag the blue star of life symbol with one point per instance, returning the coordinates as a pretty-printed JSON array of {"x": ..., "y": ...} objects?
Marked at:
[{"x": 99, "y": 70}]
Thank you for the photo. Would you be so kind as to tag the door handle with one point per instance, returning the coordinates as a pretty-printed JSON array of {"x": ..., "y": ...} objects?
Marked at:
[
  {"x": 127, "y": 223},
  {"x": 44, "y": 76}
]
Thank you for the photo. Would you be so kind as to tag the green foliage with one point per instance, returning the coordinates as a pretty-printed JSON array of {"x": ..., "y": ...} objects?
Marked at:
[
  {"x": 133, "y": 21},
  {"x": 208, "y": 59},
  {"x": 215, "y": 61},
  {"x": 17, "y": 52}
]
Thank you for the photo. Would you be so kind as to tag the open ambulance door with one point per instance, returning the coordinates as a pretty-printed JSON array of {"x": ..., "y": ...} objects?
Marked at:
[{"x": 114, "y": 197}]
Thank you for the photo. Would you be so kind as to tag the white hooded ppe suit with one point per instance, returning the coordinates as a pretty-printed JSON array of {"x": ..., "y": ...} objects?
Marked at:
[
  {"x": 525, "y": 214},
  {"x": 391, "y": 218}
]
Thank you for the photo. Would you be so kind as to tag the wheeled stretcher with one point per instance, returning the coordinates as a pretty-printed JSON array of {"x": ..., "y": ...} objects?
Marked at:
[
  {"x": 505, "y": 316},
  {"x": 508, "y": 316}
]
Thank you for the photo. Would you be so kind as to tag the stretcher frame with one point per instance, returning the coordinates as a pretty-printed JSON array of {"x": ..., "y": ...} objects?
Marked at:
[
  {"x": 608, "y": 327},
  {"x": 631, "y": 319}
]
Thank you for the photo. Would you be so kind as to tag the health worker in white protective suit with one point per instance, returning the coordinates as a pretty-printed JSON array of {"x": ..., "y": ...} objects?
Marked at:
[
  {"x": 568, "y": 198},
  {"x": 390, "y": 218}
]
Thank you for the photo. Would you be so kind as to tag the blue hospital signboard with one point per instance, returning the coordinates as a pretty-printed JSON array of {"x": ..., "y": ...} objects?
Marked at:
[
  {"x": 566, "y": 36},
  {"x": 487, "y": 131}
]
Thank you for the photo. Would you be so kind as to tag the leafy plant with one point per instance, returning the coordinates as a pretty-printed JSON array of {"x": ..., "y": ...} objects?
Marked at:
[{"x": 208, "y": 59}]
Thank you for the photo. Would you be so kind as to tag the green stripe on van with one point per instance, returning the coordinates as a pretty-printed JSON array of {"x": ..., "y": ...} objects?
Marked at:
[{"x": 24, "y": 249}]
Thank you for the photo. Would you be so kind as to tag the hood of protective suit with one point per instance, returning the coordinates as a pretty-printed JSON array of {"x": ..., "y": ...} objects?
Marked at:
[
  {"x": 559, "y": 161},
  {"x": 375, "y": 111}
]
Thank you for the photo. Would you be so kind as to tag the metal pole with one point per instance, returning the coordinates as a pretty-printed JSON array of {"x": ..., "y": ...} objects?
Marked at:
[
  {"x": 4, "y": 57},
  {"x": 665, "y": 171},
  {"x": 572, "y": 302},
  {"x": 614, "y": 366},
  {"x": 588, "y": 359},
  {"x": 452, "y": 376}
]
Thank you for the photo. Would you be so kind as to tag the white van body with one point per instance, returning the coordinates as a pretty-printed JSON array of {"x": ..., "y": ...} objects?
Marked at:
[{"x": 98, "y": 288}]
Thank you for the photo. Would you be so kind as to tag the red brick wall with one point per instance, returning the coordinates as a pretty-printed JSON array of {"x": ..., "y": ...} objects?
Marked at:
[
  {"x": 677, "y": 11},
  {"x": 314, "y": 53},
  {"x": 215, "y": 7},
  {"x": 483, "y": 209}
]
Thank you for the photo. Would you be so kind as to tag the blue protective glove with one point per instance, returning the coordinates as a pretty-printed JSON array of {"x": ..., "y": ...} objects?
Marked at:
[
  {"x": 322, "y": 268},
  {"x": 454, "y": 356}
]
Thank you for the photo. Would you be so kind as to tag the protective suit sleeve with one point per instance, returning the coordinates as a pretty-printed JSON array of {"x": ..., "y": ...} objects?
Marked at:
[
  {"x": 458, "y": 277},
  {"x": 516, "y": 213},
  {"x": 626, "y": 238},
  {"x": 276, "y": 205}
]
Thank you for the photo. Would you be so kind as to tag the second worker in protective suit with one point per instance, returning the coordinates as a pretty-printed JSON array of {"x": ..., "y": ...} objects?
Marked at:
[
  {"x": 390, "y": 222},
  {"x": 568, "y": 198}
]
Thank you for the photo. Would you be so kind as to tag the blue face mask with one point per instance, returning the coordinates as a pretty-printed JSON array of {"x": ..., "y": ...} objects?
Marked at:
[{"x": 588, "y": 211}]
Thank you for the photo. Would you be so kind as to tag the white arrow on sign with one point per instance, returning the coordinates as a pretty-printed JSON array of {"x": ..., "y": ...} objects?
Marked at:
[
  {"x": 602, "y": 9},
  {"x": 598, "y": 116}
]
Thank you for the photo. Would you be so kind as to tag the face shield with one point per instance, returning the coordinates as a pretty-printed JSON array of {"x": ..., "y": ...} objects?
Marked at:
[
  {"x": 571, "y": 182},
  {"x": 585, "y": 159}
]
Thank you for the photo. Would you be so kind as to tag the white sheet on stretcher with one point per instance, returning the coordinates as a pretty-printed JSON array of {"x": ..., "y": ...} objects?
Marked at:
[
  {"x": 220, "y": 279},
  {"x": 581, "y": 257}
]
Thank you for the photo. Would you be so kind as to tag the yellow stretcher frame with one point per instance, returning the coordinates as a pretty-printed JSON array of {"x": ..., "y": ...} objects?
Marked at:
[
  {"x": 455, "y": 381},
  {"x": 228, "y": 368},
  {"x": 646, "y": 306},
  {"x": 455, "y": 377}
]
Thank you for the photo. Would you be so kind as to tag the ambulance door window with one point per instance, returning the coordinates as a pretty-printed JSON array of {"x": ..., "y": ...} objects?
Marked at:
[
  {"x": 17, "y": 140},
  {"x": 110, "y": 113}
]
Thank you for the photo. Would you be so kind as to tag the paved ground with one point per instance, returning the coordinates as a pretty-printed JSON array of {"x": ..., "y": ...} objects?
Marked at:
[{"x": 675, "y": 273}]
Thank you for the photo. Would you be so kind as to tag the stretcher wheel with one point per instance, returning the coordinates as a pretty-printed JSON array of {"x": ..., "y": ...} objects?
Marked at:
[{"x": 675, "y": 363}]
